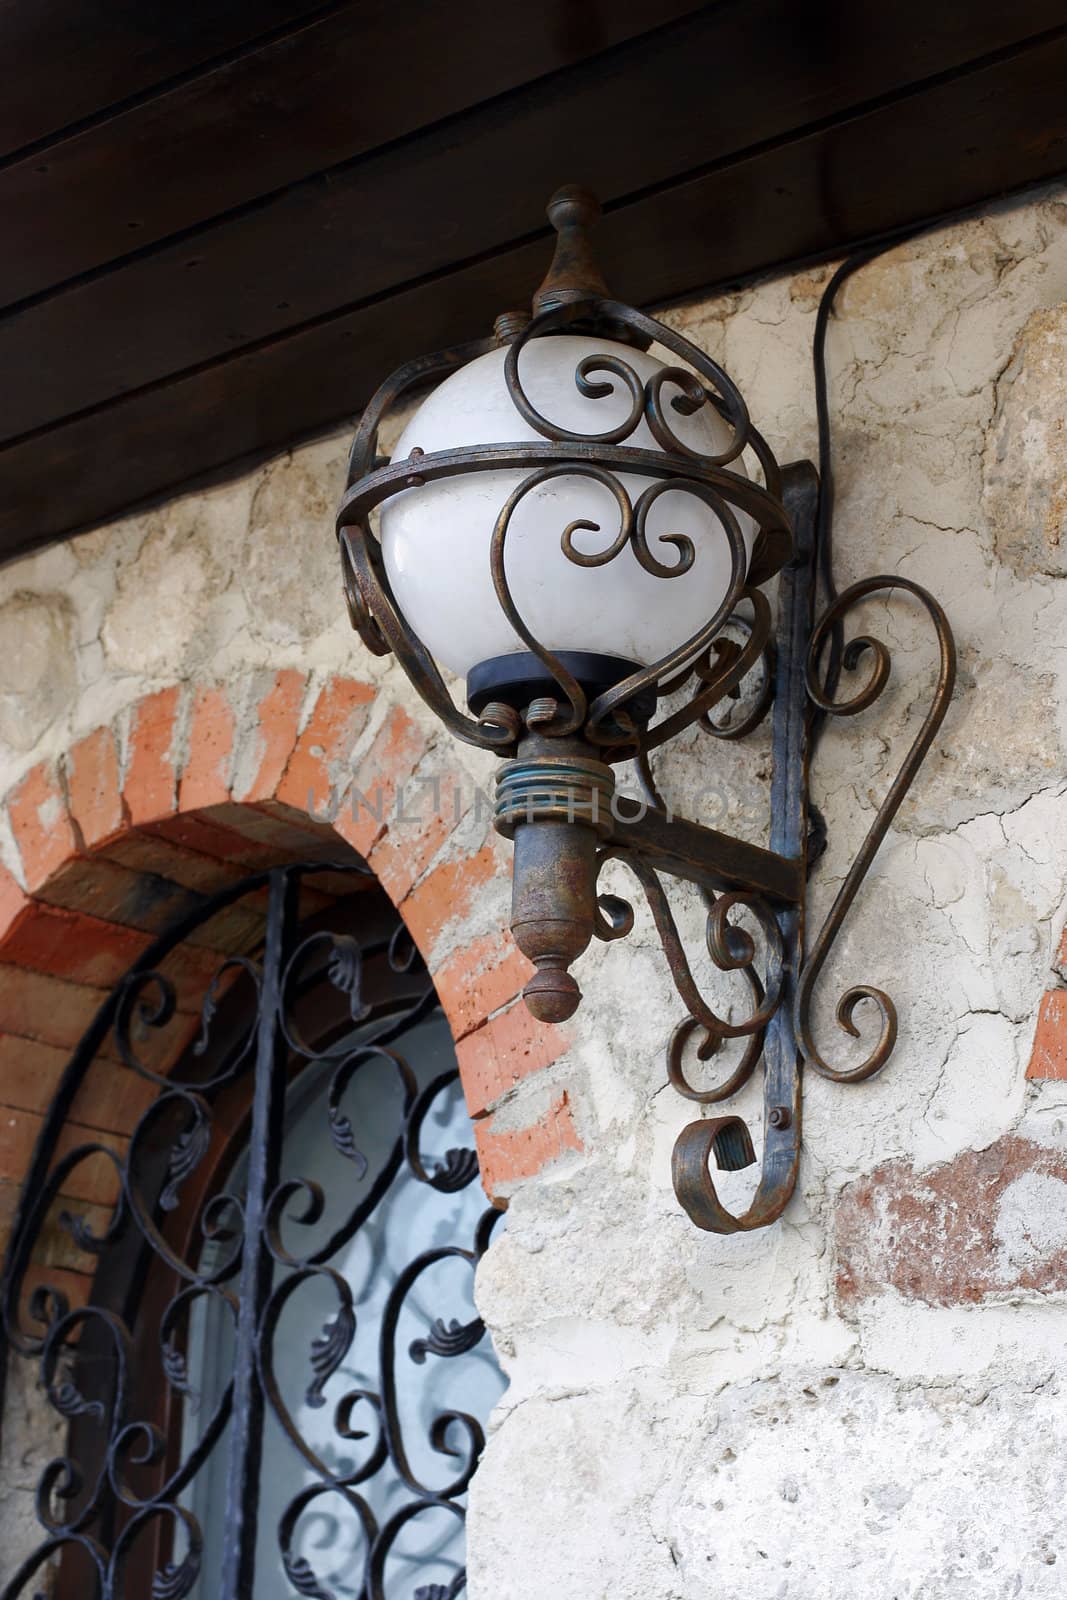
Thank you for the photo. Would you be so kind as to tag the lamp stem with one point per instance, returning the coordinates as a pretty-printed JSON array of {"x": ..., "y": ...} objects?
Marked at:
[{"x": 554, "y": 801}]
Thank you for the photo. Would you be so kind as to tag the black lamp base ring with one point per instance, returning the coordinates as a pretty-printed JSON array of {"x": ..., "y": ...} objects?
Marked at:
[{"x": 519, "y": 679}]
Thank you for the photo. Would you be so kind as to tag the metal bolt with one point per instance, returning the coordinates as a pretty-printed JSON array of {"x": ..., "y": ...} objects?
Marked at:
[{"x": 780, "y": 1117}]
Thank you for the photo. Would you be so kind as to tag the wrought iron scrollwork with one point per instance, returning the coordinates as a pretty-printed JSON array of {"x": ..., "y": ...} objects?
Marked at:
[
  {"x": 122, "y": 1507},
  {"x": 599, "y": 456},
  {"x": 806, "y": 695},
  {"x": 779, "y": 1030},
  {"x": 862, "y": 699},
  {"x": 730, "y": 946},
  {"x": 724, "y": 656},
  {"x": 732, "y": 949}
]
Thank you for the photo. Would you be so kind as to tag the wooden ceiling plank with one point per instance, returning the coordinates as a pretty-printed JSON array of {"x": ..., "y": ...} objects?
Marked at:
[
  {"x": 953, "y": 146},
  {"x": 319, "y": 96},
  {"x": 620, "y": 124},
  {"x": 65, "y": 60}
]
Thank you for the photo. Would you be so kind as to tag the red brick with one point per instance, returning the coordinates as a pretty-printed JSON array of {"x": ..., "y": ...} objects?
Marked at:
[
  {"x": 29, "y": 1072},
  {"x": 936, "y": 1236},
  {"x": 9, "y": 1199},
  {"x": 102, "y": 888},
  {"x": 70, "y": 945},
  {"x": 1048, "y": 1058},
  {"x": 111, "y": 1097},
  {"x": 14, "y": 902},
  {"x": 197, "y": 831},
  {"x": 479, "y": 979},
  {"x": 319, "y": 764},
  {"x": 95, "y": 1180},
  {"x": 84, "y": 949},
  {"x": 370, "y": 804},
  {"x": 304, "y": 839},
  {"x": 205, "y": 781},
  {"x": 506, "y": 1049},
  {"x": 435, "y": 806},
  {"x": 37, "y": 1006},
  {"x": 191, "y": 969},
  {"x": 447, "y": 893},
  {"x": 289, "y": 833},
  {"x": 149, "y": 790},
  {"x": 278, "y": 720},
  {"x": 234, "y": 930},
  {"x": 272, "y": 834},
  {"x": 157, "y": 1049},
  {"x": 43, "y": 830},
  {"x": 54, "y": 1247},
  {"x": 96, "y": 804},
  {"x": 508, "y": 1157},
  {"x": 147, "y": 850}
]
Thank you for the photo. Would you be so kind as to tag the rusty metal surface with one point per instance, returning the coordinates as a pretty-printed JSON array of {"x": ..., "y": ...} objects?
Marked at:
[
  {"x": 728, "y": 1142},
  {"x": 574, "y": 273},
  {"x": 704, "y": 856}
]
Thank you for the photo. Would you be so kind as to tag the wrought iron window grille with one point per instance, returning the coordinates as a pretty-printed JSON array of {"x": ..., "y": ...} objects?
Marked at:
[{"x": 197, "y": 1251}]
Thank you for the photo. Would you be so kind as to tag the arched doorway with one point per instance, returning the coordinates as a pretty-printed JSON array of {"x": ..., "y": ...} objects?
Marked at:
[{"x": 263, "y": 1364}]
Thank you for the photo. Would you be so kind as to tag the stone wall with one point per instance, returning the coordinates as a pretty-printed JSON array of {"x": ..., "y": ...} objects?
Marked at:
[{"x": 866, "y": 1397}]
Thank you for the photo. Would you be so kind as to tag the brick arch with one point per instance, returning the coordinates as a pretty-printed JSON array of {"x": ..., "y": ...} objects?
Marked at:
[{"x": 193, "y": 787}]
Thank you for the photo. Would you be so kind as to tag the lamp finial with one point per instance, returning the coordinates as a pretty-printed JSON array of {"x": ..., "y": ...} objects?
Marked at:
[{"x": 574, "y": 274}]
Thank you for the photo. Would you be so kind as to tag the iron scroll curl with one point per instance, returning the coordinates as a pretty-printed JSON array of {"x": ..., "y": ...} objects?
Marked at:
[
  {"x": 726, "y": 1139},
  {"x": 702, "y": 382},
  {"x": 859, "y": 701},
  {"x": 602, "y": 456}
]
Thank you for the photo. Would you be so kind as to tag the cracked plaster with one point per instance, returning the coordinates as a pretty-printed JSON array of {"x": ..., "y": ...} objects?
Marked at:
[{"x": 690, "y": 1414}]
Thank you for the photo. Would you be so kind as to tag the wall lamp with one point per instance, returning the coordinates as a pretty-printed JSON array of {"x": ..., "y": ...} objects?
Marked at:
[{"x": 583, "y": 648}]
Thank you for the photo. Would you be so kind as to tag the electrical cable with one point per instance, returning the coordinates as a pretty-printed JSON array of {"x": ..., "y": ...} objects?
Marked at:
[{"x": 824, "y": 516}]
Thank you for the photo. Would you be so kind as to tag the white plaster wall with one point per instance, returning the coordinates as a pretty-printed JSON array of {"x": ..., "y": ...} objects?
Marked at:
[{"x": 690, "y": 1415}]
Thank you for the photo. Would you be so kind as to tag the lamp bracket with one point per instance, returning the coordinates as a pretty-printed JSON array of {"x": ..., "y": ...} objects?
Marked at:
[{"x": 771, "y": 885}]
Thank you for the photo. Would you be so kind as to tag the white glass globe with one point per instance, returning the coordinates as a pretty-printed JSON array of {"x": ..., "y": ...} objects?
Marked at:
[{"x": 436, "y": 538}]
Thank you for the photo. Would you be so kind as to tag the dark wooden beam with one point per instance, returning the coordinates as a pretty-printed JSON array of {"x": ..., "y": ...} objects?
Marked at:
[
  {"x": 67, "y": 60},
  {"x": 704, "y": 93},
  {"x": 320, "y": 95},
  {"x": 936, "y": 148}
]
